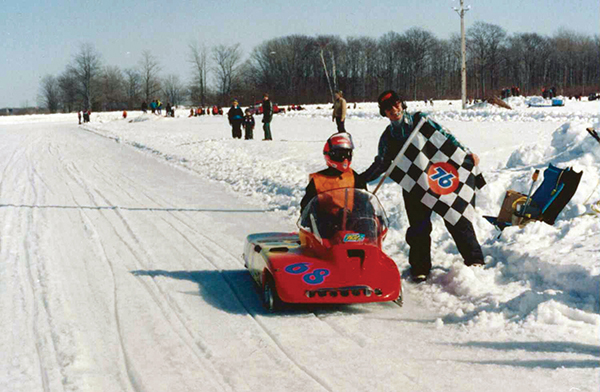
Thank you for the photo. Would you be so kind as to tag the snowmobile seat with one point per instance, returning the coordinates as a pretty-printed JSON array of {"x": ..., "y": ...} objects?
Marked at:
[
  {"x": 549, "y": 199},
  {"x": 555, "y": 192}
]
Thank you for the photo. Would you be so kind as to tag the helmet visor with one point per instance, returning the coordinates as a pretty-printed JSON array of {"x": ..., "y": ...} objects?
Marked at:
[{"x": 340, "y": 154}]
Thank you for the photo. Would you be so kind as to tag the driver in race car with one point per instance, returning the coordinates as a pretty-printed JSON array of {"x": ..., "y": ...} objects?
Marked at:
[{"x": 338, "y": 175}]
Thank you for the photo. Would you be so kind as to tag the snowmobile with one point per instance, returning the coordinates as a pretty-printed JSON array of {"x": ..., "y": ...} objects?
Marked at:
[{"x": 335, "y": 257}]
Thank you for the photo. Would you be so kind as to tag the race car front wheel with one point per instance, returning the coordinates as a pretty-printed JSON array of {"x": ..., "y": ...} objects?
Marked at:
[{"x": 271, "y": 299}]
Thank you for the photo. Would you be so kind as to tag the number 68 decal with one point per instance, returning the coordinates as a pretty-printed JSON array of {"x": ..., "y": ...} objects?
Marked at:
[{"x": 317, "y": 276}]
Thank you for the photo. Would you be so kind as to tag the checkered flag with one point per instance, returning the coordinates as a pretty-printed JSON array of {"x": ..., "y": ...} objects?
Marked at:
[{"x": 432, "y": 168}]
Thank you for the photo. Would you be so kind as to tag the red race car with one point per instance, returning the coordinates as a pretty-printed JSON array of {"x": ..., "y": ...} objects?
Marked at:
[{"x": 335, "y": 258}]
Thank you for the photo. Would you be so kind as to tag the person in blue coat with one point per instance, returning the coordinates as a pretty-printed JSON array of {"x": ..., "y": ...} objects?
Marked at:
[{"x": 236, "y": 117}]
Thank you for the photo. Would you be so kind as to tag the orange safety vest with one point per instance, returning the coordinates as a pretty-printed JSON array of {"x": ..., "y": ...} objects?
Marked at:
[{"x": 336, "y": 200}]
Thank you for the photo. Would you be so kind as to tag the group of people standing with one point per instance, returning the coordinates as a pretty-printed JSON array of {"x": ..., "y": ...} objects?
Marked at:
[
  {"x": 239, "y": 119},
  {"x": 85, "y": 115},
  {"x": 201, "y": 111}
]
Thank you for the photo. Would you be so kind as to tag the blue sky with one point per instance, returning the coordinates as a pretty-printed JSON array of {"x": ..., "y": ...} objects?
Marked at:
[{"x": 40, "y": 37}]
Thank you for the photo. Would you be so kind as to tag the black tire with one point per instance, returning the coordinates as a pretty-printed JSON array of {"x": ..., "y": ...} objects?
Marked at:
[{"x": 271, "y": 300}]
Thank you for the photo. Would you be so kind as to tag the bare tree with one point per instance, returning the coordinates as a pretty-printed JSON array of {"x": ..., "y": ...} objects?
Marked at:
[
  {"x": 528, "y": 54},
  {"x": 133, "y": 87},
  {"x": 149, "y": 69},
  {"x": 227, "y": 60},
  {"x": 67, "y": 82},
  {"x": 87, "y": 67},
  {"x": 173, "y": 89},
  {"x": 112, "y": 84},
  {"x": 50, "y": 93},
  {"x": 419, "y": 43},
  {"x": 199, "y": 60},
  {"x": 485, "y": 41},
  {"x": 391, "y": 60}
]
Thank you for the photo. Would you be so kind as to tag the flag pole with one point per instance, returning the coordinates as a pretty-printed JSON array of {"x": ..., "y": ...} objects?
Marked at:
[{"x": 401, "y": 153}]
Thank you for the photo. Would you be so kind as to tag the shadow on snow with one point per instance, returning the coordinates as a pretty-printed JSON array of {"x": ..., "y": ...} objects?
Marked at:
[{"x": 234, "y": 292}]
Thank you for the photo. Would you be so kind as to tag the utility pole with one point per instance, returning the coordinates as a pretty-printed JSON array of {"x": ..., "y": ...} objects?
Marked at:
[
  {"x": 322, "y": 46},
  {"x": 463, "y": 51}
]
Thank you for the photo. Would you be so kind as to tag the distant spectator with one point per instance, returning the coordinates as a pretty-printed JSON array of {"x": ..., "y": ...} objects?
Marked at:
[
  {"x": 236, "y": 117},
  {"x": 248, "y": 125},
  {"x": 153, "y": 106},
  {"x": 191, "y": 112},
  {"x": 124, "y": 113},
  {"x": 159, "y": 106},
  {"x": 267, "y": 116},
  {"x": 168, "y": 109},
  {"x": 79, "y": 117},
  {"x": 215, "y": 110},
  {"x": 144, "y": 107},
  {"x": 339, "y": 111}
]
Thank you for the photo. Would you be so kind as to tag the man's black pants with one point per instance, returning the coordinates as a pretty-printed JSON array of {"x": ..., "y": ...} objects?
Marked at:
[{"x": 418, "y": 237}]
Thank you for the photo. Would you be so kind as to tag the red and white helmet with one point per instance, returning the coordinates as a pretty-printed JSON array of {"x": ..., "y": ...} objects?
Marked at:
[{"x": 338, "y": 151}]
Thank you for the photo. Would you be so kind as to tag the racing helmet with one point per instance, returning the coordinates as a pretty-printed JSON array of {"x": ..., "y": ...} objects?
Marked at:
[{"x": 338, "y": 151}]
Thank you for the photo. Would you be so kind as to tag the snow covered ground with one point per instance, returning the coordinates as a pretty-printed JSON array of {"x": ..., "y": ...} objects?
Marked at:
[{"x": 120, "y": 243}]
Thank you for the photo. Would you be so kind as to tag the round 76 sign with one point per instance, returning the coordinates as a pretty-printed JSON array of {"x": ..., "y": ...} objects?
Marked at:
[{"x": 442, "y": 178}]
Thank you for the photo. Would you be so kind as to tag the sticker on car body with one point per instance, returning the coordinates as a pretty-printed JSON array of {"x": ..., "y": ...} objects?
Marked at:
[{"x": 354, "y": 237}]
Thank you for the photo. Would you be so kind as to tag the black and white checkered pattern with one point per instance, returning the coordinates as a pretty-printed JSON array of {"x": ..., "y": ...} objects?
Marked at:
[{"x": 428, "y": 147}]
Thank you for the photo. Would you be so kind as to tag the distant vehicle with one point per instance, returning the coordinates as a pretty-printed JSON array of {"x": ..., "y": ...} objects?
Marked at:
[{"x": 258, "y": 109}]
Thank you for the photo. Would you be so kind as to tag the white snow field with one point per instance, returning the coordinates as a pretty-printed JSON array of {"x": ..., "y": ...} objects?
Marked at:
[{"x": 121, "y": 269}]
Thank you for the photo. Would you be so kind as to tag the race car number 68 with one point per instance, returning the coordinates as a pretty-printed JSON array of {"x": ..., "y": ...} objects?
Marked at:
[{"x": 315, "y": 277}]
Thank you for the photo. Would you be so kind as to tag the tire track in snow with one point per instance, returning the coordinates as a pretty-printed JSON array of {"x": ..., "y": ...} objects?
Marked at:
[
  {"x": 132, "y": 377},
  {"x": 167, "y": 309},
  {"x": 159, "y": 300},
  {"x": 30, "y": 242},
  {"x": 135, "y": 383},
  {"x": 77, "y": 177},
  {"x": 235, "y": 291}
]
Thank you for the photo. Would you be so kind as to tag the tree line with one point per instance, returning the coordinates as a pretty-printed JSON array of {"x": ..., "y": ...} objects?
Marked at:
[{"x": 300, "y": 69}]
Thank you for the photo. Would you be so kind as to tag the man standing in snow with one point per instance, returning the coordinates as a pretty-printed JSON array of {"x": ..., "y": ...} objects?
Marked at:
[
  {"x": 339, "y": 111},
  {"x": 267, "y": 116},
  {"x": 418, "y": 235}
]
